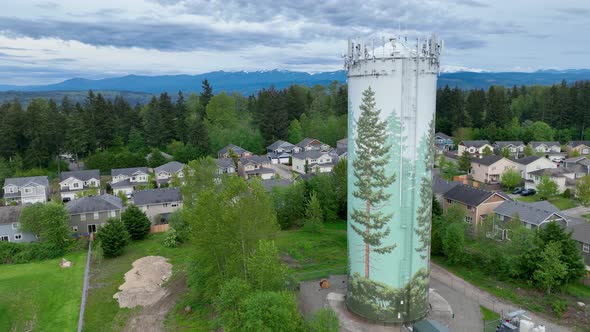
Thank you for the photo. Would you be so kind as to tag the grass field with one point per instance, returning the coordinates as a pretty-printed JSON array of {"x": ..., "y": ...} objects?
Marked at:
[
  {"x": 41, "y": 296},
  {"x": 560, "y": 202},
  {"x": 315, "y": 255}
]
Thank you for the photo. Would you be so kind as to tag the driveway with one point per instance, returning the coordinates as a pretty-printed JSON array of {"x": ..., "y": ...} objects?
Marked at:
[
  {"x": 283, "y": 171},
  {"x": 577, "y": 211}
]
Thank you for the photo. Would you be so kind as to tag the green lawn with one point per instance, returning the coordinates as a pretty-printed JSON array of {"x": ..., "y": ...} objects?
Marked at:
[
  {"x": 560, "y": 202},
  {"x": 41, "y": 296},
  {"x": 488, "y": 314},
  {"x": 315, "y": 255},
  {"x": 103, "y": 312}
]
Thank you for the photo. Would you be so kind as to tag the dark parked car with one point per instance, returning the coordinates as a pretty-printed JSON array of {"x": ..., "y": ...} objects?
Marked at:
[
  {"x": 517, "y": 190},
  {"x": 528, "y": 192}
]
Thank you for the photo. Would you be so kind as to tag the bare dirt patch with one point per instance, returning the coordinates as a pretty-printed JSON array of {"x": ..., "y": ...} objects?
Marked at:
[{"x": 143, "y": 283}]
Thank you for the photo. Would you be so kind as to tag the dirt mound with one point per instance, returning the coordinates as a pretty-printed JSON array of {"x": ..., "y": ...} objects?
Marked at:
[{"x": 143, "y": 283}]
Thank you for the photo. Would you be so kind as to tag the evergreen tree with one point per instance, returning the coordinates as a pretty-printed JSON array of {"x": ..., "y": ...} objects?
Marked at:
[
  {"x": 498, "y": 112},
  {"x": 181, "y": 118},
  {"x": 372, "y": 155},
  {"x": 205, "y": 96},
  {"x": 550, "y": 268},
  {"x": 464, "y": 162},
  {"x": 136, "y": 222},
  {"x": 168, "y": 118},
  {"x": 113, "y": 238},
  {"x": 296, "y": 102},
  {"x": 313, "y": 214},
  {"x": 153, "y": 124},
  {"x": 295, "y": 132}
]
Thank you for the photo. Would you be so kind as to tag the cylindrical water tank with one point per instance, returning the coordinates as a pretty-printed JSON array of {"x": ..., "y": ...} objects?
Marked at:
[
  {"x": 525, "y": 325},
  {"x": 541, "y": 328},
  {"x": 392, "y": 99}
]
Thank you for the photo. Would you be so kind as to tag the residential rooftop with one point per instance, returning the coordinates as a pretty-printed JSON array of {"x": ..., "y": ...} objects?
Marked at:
[
  {"x": 84, "y": 175},
  {"x": 470, "y": 196},
  {"x": 157, "y": 196},
  {"x": 99, "y": 203}
]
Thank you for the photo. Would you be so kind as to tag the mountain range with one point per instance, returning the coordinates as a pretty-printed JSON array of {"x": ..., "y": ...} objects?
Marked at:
[{"x": 250, "y": 82}]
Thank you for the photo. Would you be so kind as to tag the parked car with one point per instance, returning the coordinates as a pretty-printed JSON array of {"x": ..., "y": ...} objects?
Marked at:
[
  {"x": 517, "y": 190},
  {"x": 528, "y": 192}
]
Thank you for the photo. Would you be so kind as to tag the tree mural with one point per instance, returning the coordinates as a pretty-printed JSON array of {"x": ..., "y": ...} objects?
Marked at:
[
  {"x": 372, "y": 155},
  {"x": 424, "y": 217}
]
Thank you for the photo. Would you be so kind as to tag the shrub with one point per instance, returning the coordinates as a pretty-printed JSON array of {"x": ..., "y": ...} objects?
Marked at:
[
  {"x": 567, "y": 193},
  {"x": 559, "y": 307},
  {"x": 136, "y": 222},
  {"x": 171, "y": 238},
  {"x": 181, "y": 227},
  {"x": 113, "y": 238},
  {"x": 18, "y": 253},
  {"x": 270, "y": 311},
  {"x": 324, "y": 320}
]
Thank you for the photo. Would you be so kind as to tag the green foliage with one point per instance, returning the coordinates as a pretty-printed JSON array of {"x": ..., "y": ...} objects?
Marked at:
[
  {"x": 87, "y": 192},
  {"x": 156, "y": 158},
  {"x": 546, "y": 187},
  {"x": 18, "y": 253},
  {"x": 436, "y": 208},
  {"x": 453, "y": 242},
  {"x": 550, "y": 268},
  {"x": 50, "y": 222},
  {"x": 324, "y": 185},
  {"x": 559, "y": 307},
  {"x": 271, "y": 311},
  {"x": 113, "y": 238},
  {"x": 295, "y": 132},
  {"x": 448, "y": 169},
  {"x": 136, "y": 222},
  {"x": 510, "y": 178},
  {"x": 265, "y": 270},
  {"x": 487, "y": 151},
  {"x": 583, "y": 190},
  {"x": 505, "y": 153},
  {"x": 171, "y": 238},
  {"x": 528, "y": 151},
  {"x": 290, "y": 204},
  {"x": 123, "y": 197},
  {"x": 314, "y": 220},
  {"x": 464, "y": 163},
  {"x": 107, "y": 160},
  {"x": 180, "y": 225},
  {"x": 574, "y": 154},
  {"x": 228, "y": 303},
  {"x": 324, "y": 320}
]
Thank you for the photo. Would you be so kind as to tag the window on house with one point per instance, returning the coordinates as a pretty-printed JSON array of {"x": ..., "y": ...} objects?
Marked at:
[
  {"x": 83, "y": 217},
  {"x": 586, "y": 248},
  {"x": 75, "y": 228},
  {"x": 4, "y": 238},
  {"x": 112, "y": 214},
  {"x": 75, "y": 184},
  {"x": 95, "y": 215},
  {"x": 174, "y": 204},
  {"x": 28, "y": 190},
  {"x": 500, "y": 217},
  {"x": 449, "y": 201},
  {"x": 14, "y": 225},
  {"x": 468, "y": 219},
  {"x": 470, "y": 208},
  {"x": 18, "y": 237},
  {"x": 165, "y": 205}
]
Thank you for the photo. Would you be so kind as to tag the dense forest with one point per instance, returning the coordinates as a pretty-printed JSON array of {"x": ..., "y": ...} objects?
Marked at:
[{"x": 109, "y": 133}]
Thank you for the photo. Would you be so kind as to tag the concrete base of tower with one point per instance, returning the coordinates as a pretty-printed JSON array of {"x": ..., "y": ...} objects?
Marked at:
[{"x": 313, "y": 297}]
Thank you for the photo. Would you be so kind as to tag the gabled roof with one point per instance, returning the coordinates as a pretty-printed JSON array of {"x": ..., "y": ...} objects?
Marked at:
[
  {"x": 80, "y": 175},
  {"x": 581, "y": 232},
  {"x": 528, "y": 212},
  {"x": 469, "y": 195},
  {"x": 254, "y": 159},
  {"x": 578, "y": 160},
  {"x": 128, "y": 171},
  {"x": 156, "y": 196},
  {"x": 534, "y": 144},
  {"x": 170, "y": 167},
  {"x": 441, "y": 186},
  {"x": 94, "y": 204},
  {"x": 313, "y": 154},
  {"x": 574, "y": 144},
  {"x": 280, "y": 144},
  {"x": 237, "y": 150},
  {"x": 475, "y": 144},
  {"x": 556, "y": 172},
  {"x": 306, "y": 141},
  {"x": 9, "y": 214},
  {"x": 225, "y": 163},
  {"x": 487, "y": 160},
  {"x": 502, "y": 144},
  {"x": 262, "y": 170},
  {"x": 526, "y": 160},
  {"x": 442, "y": 135},
  {"x": 127, "y": 183},
  {"x": 19, "y": 182}
]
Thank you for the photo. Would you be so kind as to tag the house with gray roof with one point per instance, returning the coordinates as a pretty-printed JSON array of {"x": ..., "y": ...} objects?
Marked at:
[
  {"x": 9, "y": 227},
  {"x": 440, "y": 186},
  {"x": 515, "y": 148},
  {"x": 564, "y": 178},
  {"x": 309, "y": 144},
  {"x": 255, "y": 166},
  {"x": 533, "y": 215},
  {"x": 581, "y": 234},
  {"x": 159, "y": 203},
  {"x": 545, "y": 147},
  {"x": 529, "y": 164},
  {"x": 72, "y": 183},
  {"x": 579, "y": 165},
  {"x": 582, "y": 147},
  {"x": 239, "y": 151},
  {"x": 280, "y": 152},
  {"x": 166, "y": 172},
  {"x": 443, "y": 142},
  {"x": 127, "y": 180},
  {"x": 225, "y": 166},
  {"x": 342, "y": 147},
  {"x": 26, "y": 190},
  {"x": 476, "y": 203},
  {"x": 314, "y": 161},
  {"x": 489, "y": 169},
  {"x": 474, "y": 148},
  {"x": 87, "y": 214}
]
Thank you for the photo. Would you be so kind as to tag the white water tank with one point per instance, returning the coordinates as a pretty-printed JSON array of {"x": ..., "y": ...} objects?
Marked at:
[{"x": 526, "y": 326}]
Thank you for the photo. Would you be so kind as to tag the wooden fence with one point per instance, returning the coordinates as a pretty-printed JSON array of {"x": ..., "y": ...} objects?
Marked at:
[{"x": 159, "y": 228}]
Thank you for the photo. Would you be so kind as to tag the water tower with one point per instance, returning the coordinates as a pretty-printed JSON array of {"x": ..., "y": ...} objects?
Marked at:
[{"x": 392, "y": 98}]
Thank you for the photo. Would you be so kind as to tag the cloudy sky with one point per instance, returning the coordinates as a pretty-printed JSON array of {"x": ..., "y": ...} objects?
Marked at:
[{"x": 49, "y": 41}]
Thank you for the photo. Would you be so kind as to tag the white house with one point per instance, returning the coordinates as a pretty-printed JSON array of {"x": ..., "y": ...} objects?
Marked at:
[
  {"x": 158, "y": 203},
  {"x": 126, "y": 180},
  {"x": 565, "y": 179},
  {"x": 27, "y": 190},
  {"x": 225, "y": 166},
  {"x": 474, "y": 148},
  {"x": 251, "y": 166},
  {"x": 313, "y": 161},
  {"x": 165, "y": 172},
  {"x": 515, "y": 148},
  {"x": 239, "y": 151},
  {"x": 532, "y": 163},
  {"x": 545, "y": 147},
  {"x": 73, "y": 182},
  {"x": 279, "y": 152},
  {"x": 309, "y": 144},
  {"x": 10, "y": 230}
]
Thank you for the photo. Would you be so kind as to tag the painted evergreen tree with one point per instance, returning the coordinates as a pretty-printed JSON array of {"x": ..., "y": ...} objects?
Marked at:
[
  {"x": 425, "y": 209},
  {"x": 372, "y": 154}
]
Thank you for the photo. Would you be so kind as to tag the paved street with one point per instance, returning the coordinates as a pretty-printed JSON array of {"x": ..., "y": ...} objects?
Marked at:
[{"x": 282, "y": 170}]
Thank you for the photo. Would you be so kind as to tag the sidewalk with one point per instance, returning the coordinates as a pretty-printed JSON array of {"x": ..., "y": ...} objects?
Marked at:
[{"x": 485, "y": 299}]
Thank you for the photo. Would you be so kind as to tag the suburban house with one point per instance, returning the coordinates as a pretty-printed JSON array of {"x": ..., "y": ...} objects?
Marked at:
[
  {"x": 579, "y": 165},
  {"x": 159, "y": 203},
  {"x": 475, "y": 148},
  {"x": 72, "y": 183},
  {"x": 311, "y": 144},
  {"x": 126, "y": 180},
  {"x": 545, "y": 147},
  {"x": 565, "y": 179},
  {"x": 533, "y": 215},
  {"x": 342, "y": 147},
  {"x": 476, "y": 203},
  {"x": 532, "y": 163},
  {"x": 582, "y": 147},
  {"x": 166, "y": 172},
  {"x": 87, "y": 214},
  {"x": 581, "y": 234},
  {"x": 313, "y": 161},
  {"x": 514, "y": 148},
  {"x": 279, "y": 152},
  {"x": 253, "y": 165},
  {"x": 225, "y": 166},
  {"x": 27, "y": 190},
  {"x": 440, "y": 187},
  {"x": 9, "y": 226},
  {"x": 240, "y": 152},
  {"x": 443, "y": 142},
  {"x": 489, "y": 169}
]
